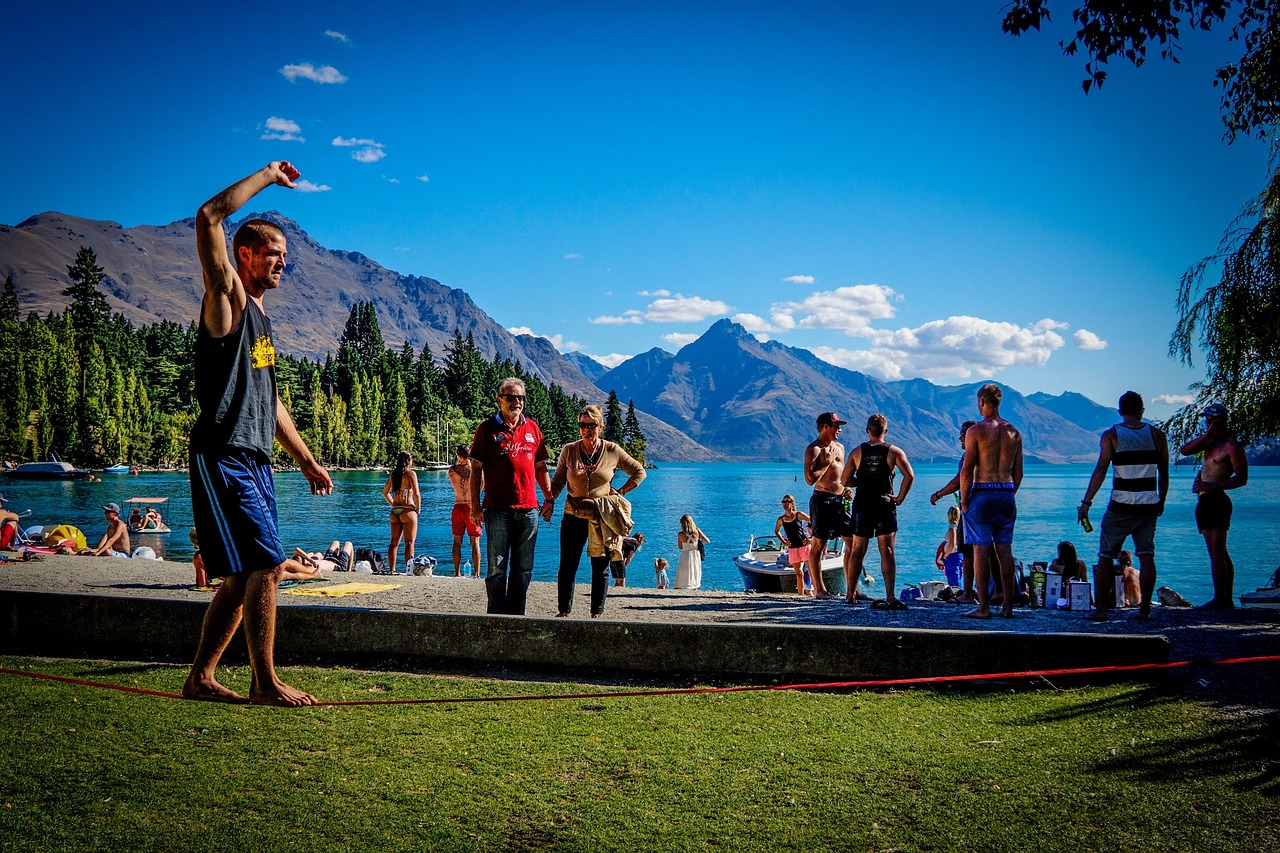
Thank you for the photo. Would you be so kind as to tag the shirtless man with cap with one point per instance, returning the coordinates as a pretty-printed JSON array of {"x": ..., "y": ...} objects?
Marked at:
[
  {"x": 824, "y": 460},
  {"x": 989, "y": 478},
  {"x": 1223, "y": 467}
]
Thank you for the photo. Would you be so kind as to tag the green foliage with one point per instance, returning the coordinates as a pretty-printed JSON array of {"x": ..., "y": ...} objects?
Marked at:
[
  {"x": 120, "y": 394},
  {"x": 633, "y": 440},
  {"x": 1236, "y": 323},
  {"x": 613, "y": 419},
  {"x": 1106, "y": 30}
]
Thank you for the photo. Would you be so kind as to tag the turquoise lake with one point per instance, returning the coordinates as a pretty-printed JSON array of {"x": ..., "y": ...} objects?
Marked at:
[{"x": 729, "y": 502}]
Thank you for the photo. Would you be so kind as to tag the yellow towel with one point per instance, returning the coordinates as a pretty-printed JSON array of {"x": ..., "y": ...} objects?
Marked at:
[{"x": 342, "y": 589}]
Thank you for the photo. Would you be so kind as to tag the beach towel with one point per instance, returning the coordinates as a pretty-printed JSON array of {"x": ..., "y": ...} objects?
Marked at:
[{"x": 343, "y": 589}]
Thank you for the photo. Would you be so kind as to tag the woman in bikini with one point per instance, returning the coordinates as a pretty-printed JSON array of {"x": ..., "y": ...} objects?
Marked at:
[{"x": 401, "y": 493}]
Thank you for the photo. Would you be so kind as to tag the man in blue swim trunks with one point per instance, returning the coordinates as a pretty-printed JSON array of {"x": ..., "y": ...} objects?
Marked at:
[
  {"x": 989, "y": 477},
  {"x": 232, "y": 491}
]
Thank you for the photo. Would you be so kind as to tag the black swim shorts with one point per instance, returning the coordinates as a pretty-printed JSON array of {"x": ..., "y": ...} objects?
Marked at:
[
  {"x": 828, "y": 518},
  {"x": 1213, "y": 511}
]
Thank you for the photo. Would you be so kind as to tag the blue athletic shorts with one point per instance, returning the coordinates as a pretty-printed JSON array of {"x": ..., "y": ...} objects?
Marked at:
[
  {"x": 992, "y": 512},
  {"x": 233, "y": 503}
]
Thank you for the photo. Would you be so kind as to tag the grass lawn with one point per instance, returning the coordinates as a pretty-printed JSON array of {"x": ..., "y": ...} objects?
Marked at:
[{"x": 1122, "y": 767}]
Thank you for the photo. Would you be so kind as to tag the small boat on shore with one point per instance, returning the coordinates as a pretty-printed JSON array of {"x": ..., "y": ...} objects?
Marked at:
[
  {"x": 764, "y": 566},
  {"x": 1264, "y": 598},
  {"x": 51, "y": 469}
]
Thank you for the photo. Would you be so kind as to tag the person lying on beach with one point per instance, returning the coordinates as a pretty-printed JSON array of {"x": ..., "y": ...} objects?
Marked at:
[{"x": 336, "y": 558}]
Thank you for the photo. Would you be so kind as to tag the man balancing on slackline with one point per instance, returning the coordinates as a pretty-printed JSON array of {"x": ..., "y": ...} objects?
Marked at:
[{"x": 232, "y": 492}]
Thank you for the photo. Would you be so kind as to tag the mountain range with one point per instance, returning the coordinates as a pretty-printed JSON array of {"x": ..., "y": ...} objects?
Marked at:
[{"x": 726, "y": 395}]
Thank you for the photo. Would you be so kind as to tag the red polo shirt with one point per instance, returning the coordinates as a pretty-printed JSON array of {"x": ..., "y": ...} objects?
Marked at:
[{"x": 509, "y": 456}]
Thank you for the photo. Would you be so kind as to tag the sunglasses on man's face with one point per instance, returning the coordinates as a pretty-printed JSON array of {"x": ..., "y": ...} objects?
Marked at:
[{"x": 512, "y": 398}]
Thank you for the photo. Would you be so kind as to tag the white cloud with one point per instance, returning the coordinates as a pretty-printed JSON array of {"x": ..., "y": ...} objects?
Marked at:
[
  {"x": 557, "y": 341},
  {"x": 799, "y": 279},
  {"x": 1087, "y": 340},
  {"x": 305, "y": 186},
  {"x": 425, "y": 179},
  {"x": 1048, "y": 324},
  {"x": 606, "y": 320},
  {"x": 573, "y": 256},
  {"x": 679, "y": 338},
  {"x": 1175, "y": 399},
  {"x": 954, "y": 348},
  {"x": 611, "y": 360},
  {"x": 753, "y": 323},
  {"x": 307, "y": 71},
  {"x": 850, "y": 309},
  {"x": 337, "y": 36},
  {"x": 391, "y": 180},
  {"x": 282, "y": 129},
  {"x": 653, "y": 293},
  {"x": 367, "y": 150},
  {"x": 684, "y": 309}
]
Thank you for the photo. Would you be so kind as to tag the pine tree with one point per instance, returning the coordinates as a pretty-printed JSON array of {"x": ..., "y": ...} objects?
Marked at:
[
  {"x": 9, "y": 302},
  {"x": 633, "y": 440},
  {"x": 90, "y": 312},
  {"x": 613, "y": 419}
]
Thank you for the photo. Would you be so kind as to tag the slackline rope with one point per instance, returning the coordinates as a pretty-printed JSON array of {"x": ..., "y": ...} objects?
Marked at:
[{"x": 825, "y": 685}]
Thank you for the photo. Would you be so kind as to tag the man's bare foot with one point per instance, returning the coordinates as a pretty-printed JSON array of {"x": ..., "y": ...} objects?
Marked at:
[
  {"x": 200, "y": 690},
  {"x": 979, "y": 613},
  {"x": 281, "y": 695},
  {"x": 1006, "y": 613},
  {"x": 851, "y": 599},
  {"x": 1097, "y": 616},
  {"x": 823, "y": 596},
  {"x": 1144, "y": 614}
]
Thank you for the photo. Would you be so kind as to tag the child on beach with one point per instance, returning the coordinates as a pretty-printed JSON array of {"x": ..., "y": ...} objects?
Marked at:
[{"x": 660, "y": 568}]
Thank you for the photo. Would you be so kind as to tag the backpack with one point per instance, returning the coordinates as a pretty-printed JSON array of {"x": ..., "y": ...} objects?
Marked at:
[
  {"x": 374, "y": 559},
  {"x": 702, "y": 550}
]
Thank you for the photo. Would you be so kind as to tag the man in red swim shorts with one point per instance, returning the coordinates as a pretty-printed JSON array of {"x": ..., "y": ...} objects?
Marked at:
[{"x": 460, "y": 519}]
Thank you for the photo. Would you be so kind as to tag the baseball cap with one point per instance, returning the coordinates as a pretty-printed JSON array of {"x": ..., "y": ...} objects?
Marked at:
[
  {"x": 1215, "y": 410},
  {"x": 112, "y": 507},
  {"x": 830, "y": 418}
]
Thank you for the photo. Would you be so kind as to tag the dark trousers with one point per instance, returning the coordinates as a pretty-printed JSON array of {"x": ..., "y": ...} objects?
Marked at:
[
  {"x": 573, "y": 538},
  {"x": 512, "y": 534}
]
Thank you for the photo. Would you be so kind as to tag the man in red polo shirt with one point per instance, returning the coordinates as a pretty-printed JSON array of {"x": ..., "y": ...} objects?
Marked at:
[{"x": 509, "y": 457}]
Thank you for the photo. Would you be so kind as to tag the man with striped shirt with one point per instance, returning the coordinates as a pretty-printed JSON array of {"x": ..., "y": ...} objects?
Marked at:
[{"x": 1138, "y": 454}]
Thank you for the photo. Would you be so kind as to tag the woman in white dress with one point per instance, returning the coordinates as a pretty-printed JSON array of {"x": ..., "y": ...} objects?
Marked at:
[{"x": 689, "y": 570}]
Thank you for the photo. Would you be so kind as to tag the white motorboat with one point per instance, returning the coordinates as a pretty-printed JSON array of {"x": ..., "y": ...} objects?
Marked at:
[
  {"x": 51, "y": 469},
  {"x": 764, "y": 566},
  {"x": 1264, "y": 598}
]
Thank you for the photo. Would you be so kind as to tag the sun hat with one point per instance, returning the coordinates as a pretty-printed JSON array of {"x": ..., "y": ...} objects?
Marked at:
[{"x": 112, "y": 507}]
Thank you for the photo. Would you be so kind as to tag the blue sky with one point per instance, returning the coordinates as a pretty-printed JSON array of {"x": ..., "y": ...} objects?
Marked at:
[{"x": 899, "y": 187}]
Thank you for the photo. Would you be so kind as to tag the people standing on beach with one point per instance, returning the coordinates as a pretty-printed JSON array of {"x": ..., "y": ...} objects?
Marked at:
[
  {"x": 870, "y": 471},
  {"x": 630, "y": 546},
  {"x": 791, "y": 527},
  {"x": 460, "y": 521},
  {"x": 402, "y": 494},
  {"x": 596, "y": 515},
  {"x": 831, "y": 506},
  {"x": 509, "y": 458},
  {"x": 232, "y": 489},
  {"x": 660, "y": 569},
  {"x": 1138, "y": 454},
  {"x": 989, "y": 479},
  {"x": 966, "y": 549},
  {"x": 689, "y": 569},
  {"x": 115, "y": 542},
  {"x": 1223, "y": 467}
]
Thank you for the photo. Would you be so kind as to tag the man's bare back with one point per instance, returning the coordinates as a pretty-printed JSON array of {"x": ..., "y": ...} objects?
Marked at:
[
  {"x": 460, "y": 479},
  {"x": 997, "y": 448}
]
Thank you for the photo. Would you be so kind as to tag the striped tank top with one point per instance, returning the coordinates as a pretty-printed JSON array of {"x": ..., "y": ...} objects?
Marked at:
[{"x": 1133, "y": 486}]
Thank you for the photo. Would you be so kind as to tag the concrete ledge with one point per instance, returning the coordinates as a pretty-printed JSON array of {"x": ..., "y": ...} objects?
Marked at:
[{"x": 116, "y": 626}]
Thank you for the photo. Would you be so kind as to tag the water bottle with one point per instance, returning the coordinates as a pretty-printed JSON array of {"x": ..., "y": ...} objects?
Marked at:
[
  {"x": 1086, "y": 524},
  {"x": 466, "y": 569},
  {"x": 847, "y": 504}
]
